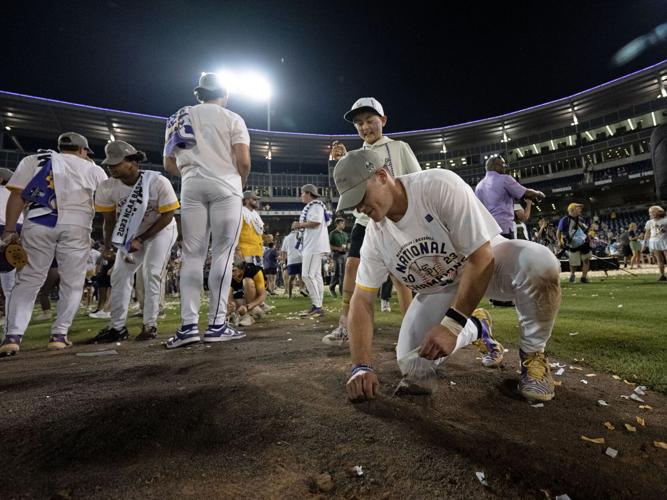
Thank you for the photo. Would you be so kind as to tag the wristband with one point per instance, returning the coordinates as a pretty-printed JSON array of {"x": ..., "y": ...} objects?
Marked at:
[
  {"x": 451, "y": 325},
  {"x": 456, "y": 316},
  {"x": 361, "y": 368}
]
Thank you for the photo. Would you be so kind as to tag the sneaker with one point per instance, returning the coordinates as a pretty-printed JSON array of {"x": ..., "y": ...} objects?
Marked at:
[
  {"x": 108, "y": 334},
  {"x": 584, "y": 280},
  {"x": 662, "y": 278},
  {"x": 58, "y": 342},
  {"x": 257, "y": 313},
  {"x": 186, "y": 334},
  {"x": 234, "y": 318},
  {"x": 384, "y": 306},
  {"x": 100, "y": 314},
  {"x": 266, "y": 307},
  {"x": 333, "y": 293},
  {"x": 573, "y": 278},
  {"x": 44, "y": 315},
  {"x": 147, "y": 333},
  {"x": 337, "y": 337},
  {"x": 310, "y": 311},
  {"x": 535, "y": 382},
  {"x": 246, "y": 320},
  {"x": 492, "y": 350},
  {"x": 10, "y": 345},
  {"x": 222, "y": 333},
  {"x": 161, "y": 315},
  {"x": 316, "y": 312},
  {"x": 304, "y": 293}
]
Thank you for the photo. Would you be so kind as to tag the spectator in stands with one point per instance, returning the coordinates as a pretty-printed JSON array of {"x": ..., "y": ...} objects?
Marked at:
[
  {"x": 573, "y": 236},
  {"x": 656, "y": 237},
  {"x": 338, "y": 240},
  {"x": 635, "y": 246}
]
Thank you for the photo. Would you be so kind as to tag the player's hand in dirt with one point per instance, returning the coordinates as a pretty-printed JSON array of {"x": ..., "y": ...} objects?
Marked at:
[
  {"x": 363, "y": 385},
  {"x": 439, "y": 342},
  {"x": 243, "y": 310},
  {"x": 338, "y": 150}
]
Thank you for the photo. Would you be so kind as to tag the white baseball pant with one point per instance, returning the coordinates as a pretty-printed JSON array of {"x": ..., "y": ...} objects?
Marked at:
[
  {"x": 311, "y": 273},
  {"x": 152, "y": 259},
  {"x": 7, "y": 281},
  {"x": 208, "y": 210},
  {"x": 70, "y": 245},
  {"x": 139, "y": 289},
  {"x": 524, "y": 272}
]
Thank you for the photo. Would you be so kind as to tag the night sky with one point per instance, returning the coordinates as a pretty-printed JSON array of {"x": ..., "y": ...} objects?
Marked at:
[{"x": 429, "y": 66}]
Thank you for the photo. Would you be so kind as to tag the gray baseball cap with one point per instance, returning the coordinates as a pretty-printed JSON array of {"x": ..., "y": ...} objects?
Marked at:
[
  {"x": 5, "y": 174},
  {"x": 351, "y": 173},
  {"x": 117, "y": 151},
  {"x": 364, "y": 104},
  {"x": 247, "y": 195},
  {"x": 310, "y": 188},
  {"x": 74, "y": 139},
  {"x": 210, "y": 82}
]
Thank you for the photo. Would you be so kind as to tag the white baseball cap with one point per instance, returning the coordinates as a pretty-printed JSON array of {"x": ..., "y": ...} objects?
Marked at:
[{"x": 364, "y": 104}]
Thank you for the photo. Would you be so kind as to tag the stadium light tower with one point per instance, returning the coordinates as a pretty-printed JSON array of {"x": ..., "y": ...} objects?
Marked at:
[{"x": 257, "y": 88}]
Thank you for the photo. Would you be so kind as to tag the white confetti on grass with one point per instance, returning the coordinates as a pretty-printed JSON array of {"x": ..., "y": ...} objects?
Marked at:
[
  {"x": 602, "y": 402},
  {"x": 481, "y": 478},
  {"x": 611, "y": 452}
]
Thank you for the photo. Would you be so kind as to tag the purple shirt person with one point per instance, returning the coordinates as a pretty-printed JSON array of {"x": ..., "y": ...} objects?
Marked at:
[{"x": 498, "y": 190}]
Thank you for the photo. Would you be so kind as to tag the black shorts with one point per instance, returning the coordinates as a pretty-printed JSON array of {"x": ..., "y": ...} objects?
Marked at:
[
  {"x": 356, "y": 240},
  {"x": 271, "y": 271}
]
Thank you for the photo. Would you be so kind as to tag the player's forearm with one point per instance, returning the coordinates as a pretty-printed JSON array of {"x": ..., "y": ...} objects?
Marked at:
[
  {"x": 162, "y": 222},
  {"x": 107, "y": 228},
  {"x": 170, "y": 166},
  {"x": 15, "y": 205},
  {"x": 474, "y": 281},
  {"x": 360, "y": 329}
]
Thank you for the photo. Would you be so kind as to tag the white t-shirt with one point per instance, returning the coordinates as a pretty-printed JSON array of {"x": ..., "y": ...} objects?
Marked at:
[
  {"x": 93, "y": 256},
  {"x": 216, "y": 130},
  {"x": 427, "y": 249},
  {"x": 74, "y": 191},
  {"x": 400, "y": 160},
  {"x": 289, "y": 247},
  {"x": 161, "y": 198},
  {"x": 658, "y": 228},
  {"x": 4, "y": 197},
  {"x": 315, "y": 240}
]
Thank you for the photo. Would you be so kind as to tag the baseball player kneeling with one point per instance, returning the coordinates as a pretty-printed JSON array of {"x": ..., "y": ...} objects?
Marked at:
[
  {"x": 138, "y": 207},
  {"x": 430, "y": 231}
]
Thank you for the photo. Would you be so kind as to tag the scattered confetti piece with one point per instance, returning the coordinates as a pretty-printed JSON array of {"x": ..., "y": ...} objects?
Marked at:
[
  {"x": 628, "y": 383},
  {"x": 625, "y": 397},
  {"x": 593, "y": 440},
  {"x": 630, "y": 428},
  {"x": 576, "y": 368},
  {"x": 560, "y": 371},
  {"x": 358, "y": 469},
  {"x": 640, "y": 390},
  {"x": 645, "y": 407},
  {"x": 660, "y": 444},
  {"x": 641, "y": 421},
  {"x": 620, "y": 306},
  {"x": 611, "y": 452},
  {"x": 584, "y": 381},
  {"x": 616, "y": 377},
  {"x": 557, "y": 365},
  {"x": 591, "y": 374},
  {"x": 609, "y": 426},
  {"x": 506, "y": 350},
  {"x": 541, "y": 405},
  {"x": 481, "y": 478},
  {"x": 602, "y": 402},
  {"x": 636, "y": 398},
  {"x": 564, "y": 496},
  {"x": 451, "y": 382},
  {"x": 572, "y": 334},
  {"x": 557, "y": 383}
]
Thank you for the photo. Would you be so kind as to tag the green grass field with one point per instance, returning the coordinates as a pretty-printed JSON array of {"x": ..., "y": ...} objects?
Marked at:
[{"x": 630, "y": 341}]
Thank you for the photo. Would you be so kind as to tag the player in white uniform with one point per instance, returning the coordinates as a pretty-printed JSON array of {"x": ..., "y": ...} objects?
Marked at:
[
  {"x": 430, "y": 231},
  {"x": 58, "y": 220},
  {"x": 367, "y": 116},
  {"x": 147, "y": 247},
  {"x": 655, "y": 237},
  {"x": 8, "y": 279},
  {"x": 313, "y": 241},
  {"x": 213, "y": 171}
]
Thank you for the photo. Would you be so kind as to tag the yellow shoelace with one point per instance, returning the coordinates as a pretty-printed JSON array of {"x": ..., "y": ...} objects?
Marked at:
[{"x": 536, "y": 364}]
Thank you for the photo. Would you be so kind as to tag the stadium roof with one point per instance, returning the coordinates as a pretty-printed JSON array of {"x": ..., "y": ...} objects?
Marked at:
[{"x": 42, "y": 118}]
